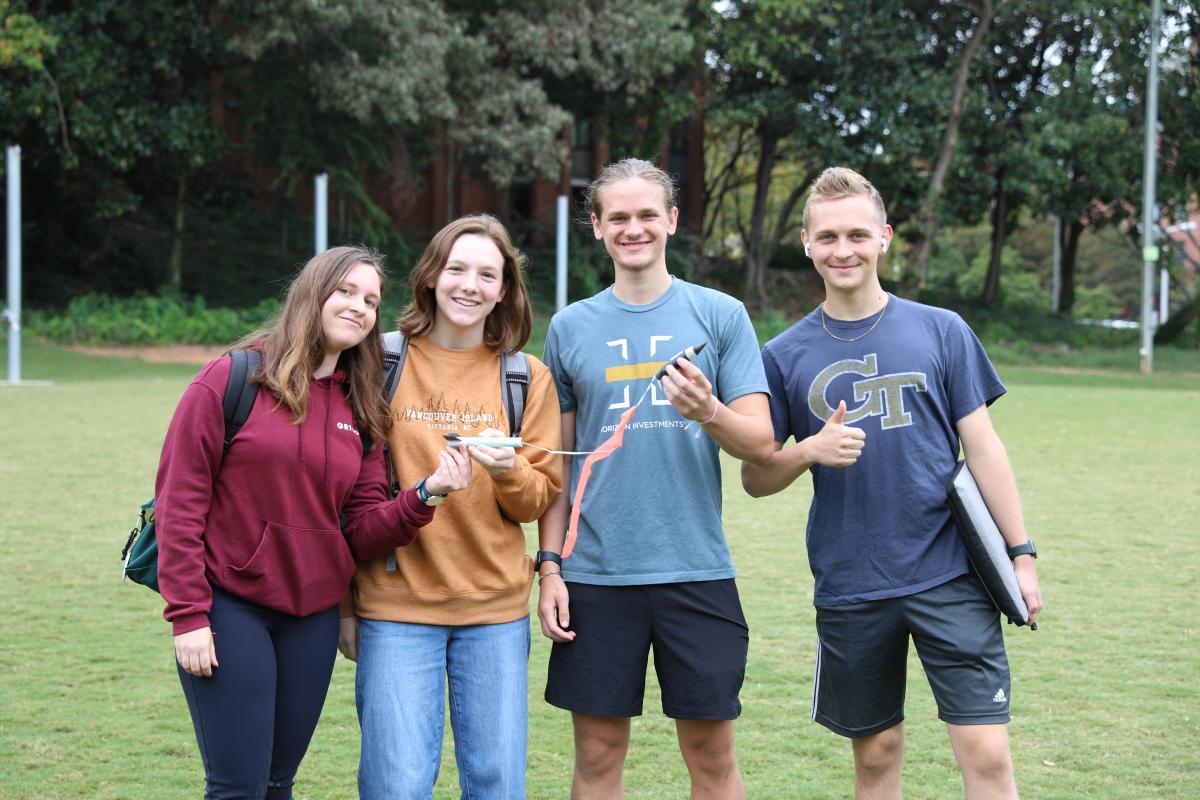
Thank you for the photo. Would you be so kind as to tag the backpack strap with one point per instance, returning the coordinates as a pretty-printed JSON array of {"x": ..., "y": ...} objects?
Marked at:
[
  {"x": 395, "y": 351},
  {"x": 240, "y": 392},
  {"x": 514, "y": 378}
]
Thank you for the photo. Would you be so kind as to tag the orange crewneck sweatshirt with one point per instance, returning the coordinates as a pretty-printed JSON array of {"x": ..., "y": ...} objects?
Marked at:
[{"x": 469, "y": 565}]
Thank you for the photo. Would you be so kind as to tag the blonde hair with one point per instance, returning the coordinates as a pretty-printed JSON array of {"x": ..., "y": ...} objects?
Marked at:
[
  {"x": 293, "y": 345},
  {"x": 836, "y": 183},
  {"x": 629, "y": 168}
]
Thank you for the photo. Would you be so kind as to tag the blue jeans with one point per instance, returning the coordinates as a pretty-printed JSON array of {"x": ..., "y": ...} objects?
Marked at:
[{"x": 400, "y": 691}]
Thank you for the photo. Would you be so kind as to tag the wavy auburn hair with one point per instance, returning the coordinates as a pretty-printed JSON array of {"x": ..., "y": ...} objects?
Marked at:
[
  {"x": 508, "y": 327},
  {"x": 293, "y": 344}
]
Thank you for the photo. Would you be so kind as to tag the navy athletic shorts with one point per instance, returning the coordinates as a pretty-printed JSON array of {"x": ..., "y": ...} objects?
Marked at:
[
  {"x": 862, "y": 655},
  {"x": 698, "y": 633}
]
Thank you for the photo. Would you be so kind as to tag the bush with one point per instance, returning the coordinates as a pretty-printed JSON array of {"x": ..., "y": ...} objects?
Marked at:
[
  {"x": 1095, "y": 302},
  {"x": 144, "y": 319},
  {"x": 769, "y": 325}
]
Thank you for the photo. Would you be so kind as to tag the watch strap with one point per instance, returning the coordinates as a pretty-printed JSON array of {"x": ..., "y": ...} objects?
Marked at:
[
  {"x": 1026, "y": 549},
  {"x": 425, "y": 497},
  {"x": 546, "y": 555}
]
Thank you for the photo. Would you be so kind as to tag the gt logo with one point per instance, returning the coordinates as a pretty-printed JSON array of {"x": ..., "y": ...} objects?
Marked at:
[{"x": 881, "y": 396}]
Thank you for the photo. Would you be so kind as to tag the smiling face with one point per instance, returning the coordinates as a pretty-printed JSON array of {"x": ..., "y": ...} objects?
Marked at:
[
  {"x": 845, "y": 238},
  {"x": 634, "y": 223},
  {"x": 348, "y": 314},
  {"x": 466, "y": 290}
]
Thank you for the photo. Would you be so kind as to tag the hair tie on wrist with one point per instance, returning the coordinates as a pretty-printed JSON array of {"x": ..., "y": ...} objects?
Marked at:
[{"x": 716, "y": 408}]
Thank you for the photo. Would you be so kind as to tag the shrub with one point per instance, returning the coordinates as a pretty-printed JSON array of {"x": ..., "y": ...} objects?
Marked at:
[
  {"x": 144, "y": 319},
  {"x": 1095, "y": 302}
]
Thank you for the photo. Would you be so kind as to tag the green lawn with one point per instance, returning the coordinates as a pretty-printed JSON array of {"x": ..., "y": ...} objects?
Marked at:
[{"x": 1104, "y": 694}]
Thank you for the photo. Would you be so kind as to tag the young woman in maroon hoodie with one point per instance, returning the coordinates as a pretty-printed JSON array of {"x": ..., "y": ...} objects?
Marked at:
[{"x": 257, "y": 545}]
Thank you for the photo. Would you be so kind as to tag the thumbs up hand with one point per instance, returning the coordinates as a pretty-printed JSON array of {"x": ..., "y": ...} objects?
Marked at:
[{"x": 836, "y": 444}]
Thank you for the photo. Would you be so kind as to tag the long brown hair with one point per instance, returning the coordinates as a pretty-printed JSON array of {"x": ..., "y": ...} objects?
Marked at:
[
  {"x": 293, "y": 344},
  {"x": 508, "y": 327}
]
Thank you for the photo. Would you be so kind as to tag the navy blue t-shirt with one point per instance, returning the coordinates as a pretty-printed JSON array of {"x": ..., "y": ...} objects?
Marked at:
[{"x": 882, "y": 528}]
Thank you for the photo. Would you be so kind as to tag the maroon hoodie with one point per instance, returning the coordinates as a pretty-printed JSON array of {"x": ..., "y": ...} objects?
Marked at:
[{"x": 262, "y": 521}]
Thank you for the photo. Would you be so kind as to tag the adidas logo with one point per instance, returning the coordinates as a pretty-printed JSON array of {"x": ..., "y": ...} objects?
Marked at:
[{"x": 999, "y": 696}]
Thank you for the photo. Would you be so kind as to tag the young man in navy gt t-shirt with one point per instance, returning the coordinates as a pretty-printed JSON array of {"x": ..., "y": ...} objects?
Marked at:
[{"x": 878, "y": 392}]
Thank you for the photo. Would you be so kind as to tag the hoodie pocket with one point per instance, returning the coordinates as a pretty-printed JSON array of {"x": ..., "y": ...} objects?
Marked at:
[{"x": 295, "y": 570}]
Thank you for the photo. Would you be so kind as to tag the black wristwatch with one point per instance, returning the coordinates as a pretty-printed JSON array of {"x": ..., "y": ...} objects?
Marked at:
[
  {"x": 1026, "y": 549},
  {"x": 546, "y": 555},
  {"x": 425, "y": 497}
]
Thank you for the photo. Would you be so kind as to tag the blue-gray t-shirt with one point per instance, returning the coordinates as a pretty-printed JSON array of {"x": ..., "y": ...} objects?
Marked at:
[
  {"x": 652, "y": 510},
  {"x": 882, "y": 527}
]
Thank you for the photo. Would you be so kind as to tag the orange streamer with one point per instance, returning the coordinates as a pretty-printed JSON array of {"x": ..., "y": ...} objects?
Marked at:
[{"x": 603, "y": 451}]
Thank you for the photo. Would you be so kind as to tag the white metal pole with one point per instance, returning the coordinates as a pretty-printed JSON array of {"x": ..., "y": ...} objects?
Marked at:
[
  {"x": 1056, "y": 268},
  {"x": 321, "y": 192},
  {"x": 560, "y": 287},
  {"x": 13, "y": 171},
  {"x": 1164, "y": 284},
  {"x": 1149, "y": 251}
]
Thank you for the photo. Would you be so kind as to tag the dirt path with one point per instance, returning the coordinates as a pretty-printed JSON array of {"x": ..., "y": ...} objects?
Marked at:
[{"x": 159, "y": 354}]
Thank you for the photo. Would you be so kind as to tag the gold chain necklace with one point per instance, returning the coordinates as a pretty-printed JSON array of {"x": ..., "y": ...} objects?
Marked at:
[{"x": 874, "y": 324}]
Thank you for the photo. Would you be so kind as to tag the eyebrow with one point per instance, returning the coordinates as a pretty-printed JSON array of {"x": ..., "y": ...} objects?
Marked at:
[
  {"x": 460, "y": 263},
  {"x": 824, "y": 231},
  {"x": 650, "y": 209}
]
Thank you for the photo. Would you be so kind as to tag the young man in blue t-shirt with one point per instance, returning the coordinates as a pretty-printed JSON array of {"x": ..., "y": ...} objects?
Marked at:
[
  {"x": 650, "y": 567},
  {"x": 878, "y": 392}
]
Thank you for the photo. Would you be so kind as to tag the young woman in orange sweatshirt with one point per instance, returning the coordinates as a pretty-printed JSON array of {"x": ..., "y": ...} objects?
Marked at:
[{"x": 452, "y": 609}]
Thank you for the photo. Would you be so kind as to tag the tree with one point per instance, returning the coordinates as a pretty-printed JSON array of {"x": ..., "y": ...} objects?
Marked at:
[
  {"x": 133, "y": 122},
  {"x": 1007, "y": 89},
  {"x": 937, "y": 178},
  {"x": 619, "y": 60},
  {"x": 24, "y": 44},
  {"x": 803, "y": 87},
  {"x": 1084, "y": 135},
  {"x": 775, "y": 95}
]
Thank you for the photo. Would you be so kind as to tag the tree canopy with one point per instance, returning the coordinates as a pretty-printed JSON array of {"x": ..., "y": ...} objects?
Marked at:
[{"x": 171, "y": 145}]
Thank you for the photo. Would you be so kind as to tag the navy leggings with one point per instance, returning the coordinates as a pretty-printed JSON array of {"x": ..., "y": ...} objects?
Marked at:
[{"x": 255, "y": 716}]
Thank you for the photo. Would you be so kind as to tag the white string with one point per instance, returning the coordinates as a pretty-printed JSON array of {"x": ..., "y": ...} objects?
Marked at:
[
  {"x": 559, "y": 452},
  {"x": 585, "y": 452}
]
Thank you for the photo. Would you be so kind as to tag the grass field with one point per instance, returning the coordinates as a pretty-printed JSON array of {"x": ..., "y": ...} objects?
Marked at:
[{"x": 1105, "y": 694}]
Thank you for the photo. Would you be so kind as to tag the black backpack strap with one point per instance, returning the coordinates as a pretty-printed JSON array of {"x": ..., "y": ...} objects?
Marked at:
[
  {"x": 240, "y": 392},
  {"x": 514, "y": 379},
  {"x": 395, "y": 350}
]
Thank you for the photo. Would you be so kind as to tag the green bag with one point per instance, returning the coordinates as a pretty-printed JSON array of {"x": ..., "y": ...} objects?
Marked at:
[
  {"x": 141, "y": 549},
  {"x": 140, "y": 554}
]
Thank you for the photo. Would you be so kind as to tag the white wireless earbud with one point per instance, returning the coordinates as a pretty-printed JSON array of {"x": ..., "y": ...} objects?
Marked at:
[
  {"x": 885, "y": 244},
  {"x": 806, "y": 251}
]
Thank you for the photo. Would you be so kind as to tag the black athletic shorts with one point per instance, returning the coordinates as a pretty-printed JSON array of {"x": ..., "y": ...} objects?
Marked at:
[
  {"x": 862, "y": 655},
  {"x": 699, "y": 635}
]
